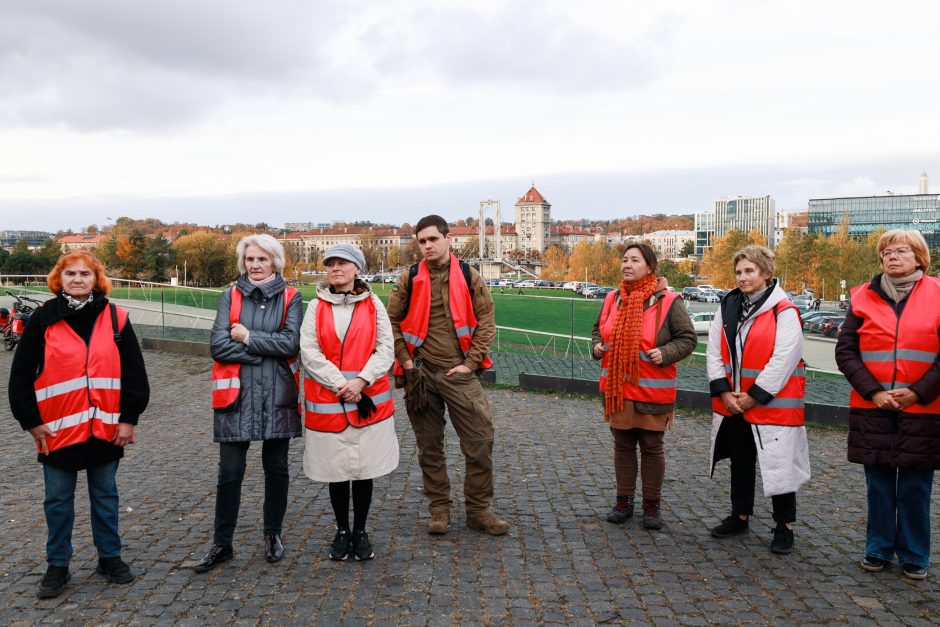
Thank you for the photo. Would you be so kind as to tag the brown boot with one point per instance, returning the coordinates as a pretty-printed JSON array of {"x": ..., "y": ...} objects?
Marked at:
[
  {"x": 439, "y": 522},
  {"x": 488, "y": 522}
]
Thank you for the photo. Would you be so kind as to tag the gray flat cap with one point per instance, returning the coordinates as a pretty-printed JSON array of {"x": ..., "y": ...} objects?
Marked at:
[{"x": 347, "y": 252}]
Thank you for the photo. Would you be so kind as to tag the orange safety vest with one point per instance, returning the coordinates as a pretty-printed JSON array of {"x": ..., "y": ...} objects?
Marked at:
[
  {"x": 898, "y": 350},
  {"x": 79, "y": 388},
  {"x": 657, "y": 384},
  {"x": 324, "y": 410},
  {"x": 786, "y": 407},
  {"x": 414, "y": 328},
  {"x": 226, "y": 380}
]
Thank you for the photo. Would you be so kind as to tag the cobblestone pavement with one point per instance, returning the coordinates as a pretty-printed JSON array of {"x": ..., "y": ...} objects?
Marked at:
[{"x": 560, "y": 563}]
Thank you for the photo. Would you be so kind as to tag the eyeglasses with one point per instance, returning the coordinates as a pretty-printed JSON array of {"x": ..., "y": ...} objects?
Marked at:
[{"x": 900, "y": 252}]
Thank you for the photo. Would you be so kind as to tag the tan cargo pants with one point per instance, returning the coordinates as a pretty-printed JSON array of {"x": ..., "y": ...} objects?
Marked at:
[{"x": 469, "y": 411}]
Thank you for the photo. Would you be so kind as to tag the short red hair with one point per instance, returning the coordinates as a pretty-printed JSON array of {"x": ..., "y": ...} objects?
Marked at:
[{"x": 54, "y": 279}]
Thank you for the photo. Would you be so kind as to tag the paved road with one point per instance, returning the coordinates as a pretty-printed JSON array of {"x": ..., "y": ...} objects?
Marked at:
[{"x": 560, "y": 563}]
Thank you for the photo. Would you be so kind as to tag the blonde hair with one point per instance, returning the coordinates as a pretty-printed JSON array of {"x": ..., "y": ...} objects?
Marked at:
[
  {"x": 760, "y": 256},
  {"x": 909, "y": 238}
]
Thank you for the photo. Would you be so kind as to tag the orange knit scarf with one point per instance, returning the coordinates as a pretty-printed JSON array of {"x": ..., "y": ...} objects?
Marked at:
[{"x": 624, "y": 361}]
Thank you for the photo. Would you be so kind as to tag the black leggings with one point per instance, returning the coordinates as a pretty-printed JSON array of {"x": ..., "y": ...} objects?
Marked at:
[{"x": 362, "y": 499}]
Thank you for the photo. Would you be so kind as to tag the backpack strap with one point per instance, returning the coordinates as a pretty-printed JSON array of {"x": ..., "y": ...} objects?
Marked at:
[{"x": 114, "y": 323}]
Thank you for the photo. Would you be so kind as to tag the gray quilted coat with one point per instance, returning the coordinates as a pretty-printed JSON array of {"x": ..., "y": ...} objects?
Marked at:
[{"x": 267, "y": 400}]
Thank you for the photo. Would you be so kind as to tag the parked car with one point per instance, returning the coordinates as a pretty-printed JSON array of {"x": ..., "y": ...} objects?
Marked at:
[
  {"x": 598, "y": 292},
  {"x": 527, "y": 283},
  {"x": 830, "y": 326},
  {"x": 571, "y": 285},
  {"x": 702, "y": 321},
  {"x": 690, "y": 293},
  {"x": 586, "y": 286},
  {"x": 505, "y": 282},
  {"x": 844, "y": 303},
  {"x": 706, "y": 286},
  {"x": 709, "y": 296},
  {"x": 814, "y": 316}
]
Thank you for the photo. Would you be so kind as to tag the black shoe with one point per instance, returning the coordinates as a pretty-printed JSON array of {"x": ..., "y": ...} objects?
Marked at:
[
  {"x": 622, "y": 511},
  {"x": 651, "y": 517},
  {"x": 339, "y": 550},
  {"x": 53, "y": 582},
  {"x": 362, "y": 548},
  {"x": 913, "y": 571},
  {"x": 217, "y": 554},
  {"x": 783, "y": 540},
  {"x": 730, "y": 526},
  {"x": 874, "y": 564},
  {"x": 273, "y": 549},
  {"x": 114, "y": 569}
]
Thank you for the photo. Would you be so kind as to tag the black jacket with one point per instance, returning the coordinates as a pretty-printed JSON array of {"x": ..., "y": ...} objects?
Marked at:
[{"x": 27, "y": 364}]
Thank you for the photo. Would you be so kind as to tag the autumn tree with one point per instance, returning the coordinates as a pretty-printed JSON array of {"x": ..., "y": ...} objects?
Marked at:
[
  {"x": 597, "y": 263},
  {"x": 716, "y": 263},
  {"x": 677, "y": 276},
  {"x": 209, "y": 260},
  {"x": 554, "y": 263},
  {"x": 371, "y": 250}
]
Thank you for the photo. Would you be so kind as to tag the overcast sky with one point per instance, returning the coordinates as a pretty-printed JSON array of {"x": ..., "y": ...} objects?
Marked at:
[{"x": 224, "y": 111}]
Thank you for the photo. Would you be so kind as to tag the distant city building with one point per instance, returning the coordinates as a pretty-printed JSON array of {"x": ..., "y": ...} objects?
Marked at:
[
  {"x": 870, "y": 213},
  {"x": 34, "y": 239},
  {"x": 309, "y": 246},
  {"x": 744, "y": 213},
  {"x": 85, "y": 241},
  {"x": 790, "y": 220},
  {"x": 668, "y": 244},
  {"x": 533, "y": 220},
  {"x": 305, "y": 226}
]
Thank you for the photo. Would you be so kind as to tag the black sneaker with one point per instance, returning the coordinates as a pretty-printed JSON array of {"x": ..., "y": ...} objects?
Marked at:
[
  {"x": 53, "y": 582},
  {"x": 114, "y": 569},
  {"x": 874, "y": 564},
  {"x": 622, "y": 511},
  {"x": 783, "y": 540},
  {"x": 362, "y": 548},
  {"x": 730, "y": 526},
  {"x": 913, "y": 571},
  {"x": 339, "y": 550}
]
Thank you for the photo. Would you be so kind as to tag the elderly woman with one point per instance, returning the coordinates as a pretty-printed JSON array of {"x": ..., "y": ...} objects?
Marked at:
[
  {"x": 642, "y": 331},
  {"x": 888, "y": 351},
  {"x": 757, "y": 380},
  {"x": 254, "y": 342},
  {"x": 78, "y": 385},
  {"x": 347, "y": 348}
]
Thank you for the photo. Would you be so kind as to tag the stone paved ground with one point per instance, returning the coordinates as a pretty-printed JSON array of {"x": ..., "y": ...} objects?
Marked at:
[{"x": 560, "y": 563}]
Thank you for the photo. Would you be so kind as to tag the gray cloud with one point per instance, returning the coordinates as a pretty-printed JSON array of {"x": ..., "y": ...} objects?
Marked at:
[
  {"x": 100, "y": 64},
  {"x": 520, "y": 46}
]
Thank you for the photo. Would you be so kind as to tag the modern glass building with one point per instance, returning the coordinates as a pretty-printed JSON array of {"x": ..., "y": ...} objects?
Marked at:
[
  {"x": 742, "y": 213},
  {"x": 870, "y": 213}
]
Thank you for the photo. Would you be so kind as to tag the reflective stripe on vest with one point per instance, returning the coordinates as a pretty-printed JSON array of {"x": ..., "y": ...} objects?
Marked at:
[
  {"x": 898, "y": 351},
  {"x": 414, "y": 328},
  {"x": 787, "y": 406},
  {"x": 77, "y": 408},
  {"x": 226, "y": 377},
  {"x": 656, "y": 384},
  {"x": 323, "y": 408}
]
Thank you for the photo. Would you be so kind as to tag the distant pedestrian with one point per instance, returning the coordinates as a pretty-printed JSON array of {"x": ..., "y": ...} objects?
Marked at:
[
  {"x": 78, "y": 385},
  {"x": 817, "y": 304},
  {"x": 757, "y": 380},
  {"x": 347, "y": 348},
  {"x": 891, "y": 360},
  {"x": 642, "y": 331},
  {"x": 254, "y": 341}
]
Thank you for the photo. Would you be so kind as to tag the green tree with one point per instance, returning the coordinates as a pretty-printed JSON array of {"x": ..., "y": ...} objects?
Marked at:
[
  {"x": 21, "y": 261},
  {"x": 47, "y": 255},
  {"x": 209, "y": 260},
  {"x": 674, "y": 274},
  {"x": 688, "y": 248},
  {"x": 159, "y": 256}
]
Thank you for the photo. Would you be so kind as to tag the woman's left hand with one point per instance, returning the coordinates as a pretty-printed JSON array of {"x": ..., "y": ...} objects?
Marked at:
[
  {"x": 351, "y": 390},
  {"x": 905, "y": 397},
  {"x": 123, "y": 435},
  {"x": 745, "y": 401},
  {"x": 655, "y": 355},
  {"x": 239, "y": 332}
]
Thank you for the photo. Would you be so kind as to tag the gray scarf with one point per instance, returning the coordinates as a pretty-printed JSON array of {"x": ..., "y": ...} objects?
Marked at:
[{"x": 899, "y": 288}]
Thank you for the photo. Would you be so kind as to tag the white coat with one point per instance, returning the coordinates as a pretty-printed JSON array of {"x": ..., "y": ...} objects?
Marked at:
[{"x": 782, "y": 451}]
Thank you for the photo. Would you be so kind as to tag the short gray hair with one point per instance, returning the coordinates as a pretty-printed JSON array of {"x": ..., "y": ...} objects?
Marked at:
[{"x": 266, "y": 243}]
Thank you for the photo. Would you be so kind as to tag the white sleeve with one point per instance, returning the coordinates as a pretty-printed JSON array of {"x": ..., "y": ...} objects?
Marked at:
[{"x": 713, "y": 364}]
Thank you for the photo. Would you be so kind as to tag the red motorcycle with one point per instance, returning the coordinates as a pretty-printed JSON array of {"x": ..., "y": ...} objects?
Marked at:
[{"x": 11, "y": 326}]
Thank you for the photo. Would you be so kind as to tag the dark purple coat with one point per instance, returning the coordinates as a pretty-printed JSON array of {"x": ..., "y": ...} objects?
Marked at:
[{"x": 885, "y": 437}]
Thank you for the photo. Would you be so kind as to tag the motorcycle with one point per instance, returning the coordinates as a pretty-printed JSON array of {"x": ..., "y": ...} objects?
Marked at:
[{"x": 11, "y": 326}]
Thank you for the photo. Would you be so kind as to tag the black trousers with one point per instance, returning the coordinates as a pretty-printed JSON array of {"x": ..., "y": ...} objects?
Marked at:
[
  {"x": 229, "y": 489},
  {"x": 738, "y": 440}
]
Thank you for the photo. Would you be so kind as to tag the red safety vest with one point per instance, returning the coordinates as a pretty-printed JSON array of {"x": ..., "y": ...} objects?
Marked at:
[
  {"x": 414, "y": 328},
  {"x": 79, "y": 388},
  {"x": 226, "y": 380},
  {"x": 324, "y": 411},
  {"x": 657, "y": 384},
  {"x": 786, "y": 407},
  {"x": 898, "y": 351}
]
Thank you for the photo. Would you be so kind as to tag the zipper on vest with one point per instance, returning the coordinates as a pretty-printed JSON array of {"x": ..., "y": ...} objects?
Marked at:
[{"x": 897, "y": 327}]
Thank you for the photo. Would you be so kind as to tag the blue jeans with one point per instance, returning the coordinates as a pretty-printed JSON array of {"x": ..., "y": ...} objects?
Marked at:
[
  {"x": 60, "y": 511},
  {"x": 899, "y": 514}
]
